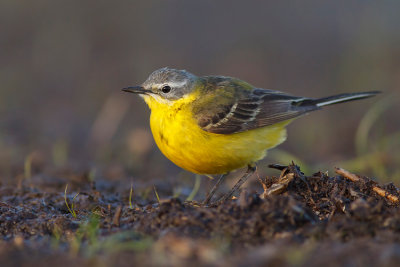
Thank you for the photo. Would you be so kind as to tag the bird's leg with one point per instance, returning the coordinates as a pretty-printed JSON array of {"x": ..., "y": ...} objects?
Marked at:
[
  {"x": 214, "y": 189},
  {"x": 250, "y": 170}
]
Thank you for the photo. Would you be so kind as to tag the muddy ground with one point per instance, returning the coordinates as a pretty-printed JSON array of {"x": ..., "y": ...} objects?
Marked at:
[{"x": 311, "y": 221}]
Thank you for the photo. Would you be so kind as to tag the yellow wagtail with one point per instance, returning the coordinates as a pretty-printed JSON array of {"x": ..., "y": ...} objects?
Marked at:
[{"x": 216, "y": 124}]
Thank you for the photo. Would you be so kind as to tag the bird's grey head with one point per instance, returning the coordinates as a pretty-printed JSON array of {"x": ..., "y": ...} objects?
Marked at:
[{"x": 166, "y": 83}]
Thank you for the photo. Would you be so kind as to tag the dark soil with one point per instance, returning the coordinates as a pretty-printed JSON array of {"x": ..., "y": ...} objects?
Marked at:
[{"x": 317, "y": 220}]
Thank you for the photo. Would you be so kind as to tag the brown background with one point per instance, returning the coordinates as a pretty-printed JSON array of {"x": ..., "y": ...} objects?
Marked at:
[{"x": 63, "y": 63}]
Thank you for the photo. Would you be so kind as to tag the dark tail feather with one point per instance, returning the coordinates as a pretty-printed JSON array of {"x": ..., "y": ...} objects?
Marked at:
[{"x": 330, "y": 100}]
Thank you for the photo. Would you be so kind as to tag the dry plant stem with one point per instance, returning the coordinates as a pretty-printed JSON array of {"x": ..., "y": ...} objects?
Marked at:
[
  {"x": 280, "y": 186},
  {"x": 117, "y": 216},
  {"x": 296, "y": 171},
  {"x": 214, "y": 189},
  {"x": 288, "y": 173},
  {"x": 351, "y": 176},
  {"x": 130, "y": 197},
  {"x": 263, "y": 183},
  {"x": 277, "y": 166},
  {"x": 355, "y": 178}
]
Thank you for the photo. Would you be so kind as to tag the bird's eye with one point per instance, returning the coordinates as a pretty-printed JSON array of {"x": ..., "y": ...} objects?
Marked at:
[{"x": 166, "y": 89}]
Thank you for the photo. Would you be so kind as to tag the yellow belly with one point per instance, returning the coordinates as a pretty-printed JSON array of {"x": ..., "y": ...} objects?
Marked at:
[{"x": 183, "y": 142}]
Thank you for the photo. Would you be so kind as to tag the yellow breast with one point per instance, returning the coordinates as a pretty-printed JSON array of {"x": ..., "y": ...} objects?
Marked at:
[{"x": 182, "y": 141}]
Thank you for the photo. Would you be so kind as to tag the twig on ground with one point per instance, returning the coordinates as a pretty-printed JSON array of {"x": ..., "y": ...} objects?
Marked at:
[
  {"x": 280, "y": 186},
  {"x": 277, "y": 166},
  {"x": 117, "y": 216},
  {"x": 263, "y": 183},
  {"x": 288, "y": 173},
  {"x": 354, "y": 178}
]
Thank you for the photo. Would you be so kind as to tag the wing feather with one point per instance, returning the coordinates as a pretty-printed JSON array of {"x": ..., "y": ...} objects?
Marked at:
[
  {"x": 257, "y": 108},
  {"x": 229, "y": 105}
]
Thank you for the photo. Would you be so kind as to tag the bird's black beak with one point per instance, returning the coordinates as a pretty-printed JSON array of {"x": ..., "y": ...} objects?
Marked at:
[{"x": 136, "y": 90}]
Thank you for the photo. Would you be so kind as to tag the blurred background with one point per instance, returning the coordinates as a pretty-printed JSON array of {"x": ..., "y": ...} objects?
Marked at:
[{"x": 63, "y": 63}]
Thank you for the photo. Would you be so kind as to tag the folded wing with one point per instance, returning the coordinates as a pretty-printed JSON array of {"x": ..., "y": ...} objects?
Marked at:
[{"x": 259, "y": 108}]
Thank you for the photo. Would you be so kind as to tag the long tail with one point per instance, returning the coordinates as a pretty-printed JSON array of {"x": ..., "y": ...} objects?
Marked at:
[{"x": 330, "y": 100}]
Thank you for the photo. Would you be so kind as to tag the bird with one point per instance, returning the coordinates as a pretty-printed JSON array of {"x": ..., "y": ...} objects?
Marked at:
[{"x": 213, "y": 125}]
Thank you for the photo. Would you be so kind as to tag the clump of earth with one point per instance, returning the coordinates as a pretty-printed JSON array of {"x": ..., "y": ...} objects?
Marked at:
[{"x": 309, "y": 221}]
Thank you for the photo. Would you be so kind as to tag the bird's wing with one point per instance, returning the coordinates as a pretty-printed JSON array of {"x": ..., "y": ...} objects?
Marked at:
[{"x": 250, "y": 109}]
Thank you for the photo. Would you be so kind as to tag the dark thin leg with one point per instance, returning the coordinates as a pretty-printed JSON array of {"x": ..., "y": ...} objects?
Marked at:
[
  {"x": 214, "y": 189},
  {"x": 240, "y": 182}
]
